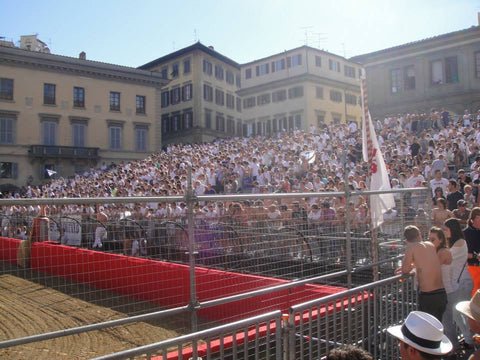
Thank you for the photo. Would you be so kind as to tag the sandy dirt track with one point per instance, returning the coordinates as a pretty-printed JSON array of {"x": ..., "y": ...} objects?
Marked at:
[{"x": 32, "y": 303}]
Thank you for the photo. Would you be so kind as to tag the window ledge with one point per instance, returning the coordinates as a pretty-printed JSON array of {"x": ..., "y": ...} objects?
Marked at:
[
  {"x": 116, "y": 111},
  {"x": 141, "y": 114},
  {"x": 7, "y": 101},
  {"x": 79, "y": 108},
  {"x": 50, "y": 105}
]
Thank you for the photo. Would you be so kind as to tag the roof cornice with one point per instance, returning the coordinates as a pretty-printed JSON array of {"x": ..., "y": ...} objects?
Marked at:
[{"x": 65, "y": 64}]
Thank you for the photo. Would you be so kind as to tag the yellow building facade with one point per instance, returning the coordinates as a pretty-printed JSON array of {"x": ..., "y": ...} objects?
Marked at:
[
  {"x": 67, "y": 115},
  {"x": 200, "y": 102},
  {"x": 299, "y": 88}
]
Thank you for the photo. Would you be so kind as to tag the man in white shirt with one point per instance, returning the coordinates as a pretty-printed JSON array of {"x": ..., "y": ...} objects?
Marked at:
[{"x": 438, "y": 181}]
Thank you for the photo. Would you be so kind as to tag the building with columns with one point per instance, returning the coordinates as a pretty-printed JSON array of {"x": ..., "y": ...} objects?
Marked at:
[{"x": 67, "y": 115}]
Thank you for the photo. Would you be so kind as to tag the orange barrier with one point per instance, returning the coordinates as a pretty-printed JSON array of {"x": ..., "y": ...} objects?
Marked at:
[{"x": 475, "y": 272}]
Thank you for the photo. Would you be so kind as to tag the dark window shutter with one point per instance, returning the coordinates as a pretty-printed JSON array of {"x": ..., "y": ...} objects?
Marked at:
[
  {"x": 289, "y": 61},
  {"x": 299, "y": 59},
  {"x": 183, "y": 93},
  {"x": 273, "y": 66},
  {"x": 14, "y": 170},
  {"x": 257, "y": 70}
]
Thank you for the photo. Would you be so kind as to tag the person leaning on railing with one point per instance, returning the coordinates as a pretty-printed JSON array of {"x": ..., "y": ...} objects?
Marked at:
[{"x": 472, "y": 236}]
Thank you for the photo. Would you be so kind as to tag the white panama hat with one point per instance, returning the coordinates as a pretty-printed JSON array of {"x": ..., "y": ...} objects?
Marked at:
[
  {"x": 471, "y": 308},
  {"x": 423, "y": 332}
]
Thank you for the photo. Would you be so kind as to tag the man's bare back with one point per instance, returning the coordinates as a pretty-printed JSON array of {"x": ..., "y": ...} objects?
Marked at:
[{"x": 423, "y": 257}]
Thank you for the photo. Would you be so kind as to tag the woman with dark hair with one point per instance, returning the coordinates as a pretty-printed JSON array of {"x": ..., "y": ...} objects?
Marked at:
[
  {"x": 461, "y": 284},
  {"x": 472, "y": 236},
  {"x": 438, "y": 194}
]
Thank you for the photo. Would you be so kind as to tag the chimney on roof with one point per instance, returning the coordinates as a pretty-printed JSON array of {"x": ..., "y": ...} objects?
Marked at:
[
  {"x": 212, "y": 48},
  {"x": 82, "y": 55}
]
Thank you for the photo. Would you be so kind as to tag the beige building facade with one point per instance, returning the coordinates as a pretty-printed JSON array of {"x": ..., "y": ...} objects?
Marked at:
[
  {"x": 299, "y": 88},
  {"x": 67, "y": 115},
  {"x": 200, "y": 102}
]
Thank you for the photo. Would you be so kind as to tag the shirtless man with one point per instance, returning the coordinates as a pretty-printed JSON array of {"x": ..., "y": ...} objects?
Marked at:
[
  {"x": 100, "y": 231},
  {"x": 422, "y": 256}
]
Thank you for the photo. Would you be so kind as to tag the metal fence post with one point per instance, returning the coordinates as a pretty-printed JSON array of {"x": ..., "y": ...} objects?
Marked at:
[
  {"x": 289, "y": 338},
  {"x": 190, "y": 200},
  {"x": 348, "y": 240}
]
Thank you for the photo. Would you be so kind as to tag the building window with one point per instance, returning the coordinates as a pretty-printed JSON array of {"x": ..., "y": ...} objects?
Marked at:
[
  {"x": 220, "y": 123},
  {"x": 279, "y": 95},
  {"x": 239, "y": 104},
  {"x": 8, "y": 170},
  {"x": 164, "y": 72},
  {"x": 219, "y": 97},
  {"x": 249, "y": 102},
  {"x": 263, "y": 99},
  {"x": 318, "y": 61},
  {"x": 350, "y": 99},
  {"x": 230, "y": 126},
  {"x": 6, "y": 89},
  {"x": 477, "y": 64},
  {"x": 49, "y": 94},
  {"x": 175, "y": 70},
  {"x": 229, "y": 77},
  {"x": 248, "y": 73},
  {"x": 278, "y": 65},
  {"x": 295, "y": 92},
  {"x": 6, "y": 130},
  {"x": 319, "y": 92},
  {"x": 320, "y": 121},
  {"x": 230, "y": 101},
  {"x": 262, "y": 69},
  {"x": 409, "y": 78},
  {"x": 165, "y": 98},
  {"x": 396, "y": 78},
  {"x": 207, "y": 67},
  {"x": 114, "y": 101},
  {"x": 78, "y": 97},
  {"x": 207, "y": 92},
  {"x": 140, "y": 104},
  {"x": 296, "y": 60},
  {"x": 219, "y": 72},
  {"x": 175, "y": 96},
  {"x": 115, "y": 133},
  {"x": 298, "y": 121},
  {"x": 334, "y": 65},
  {"x": 335, "y": 96},
  {"x": 436, "y": 72},
  {"x": 239, "y": 127},
  {"x": 165, "y": 124},
  {"x": 349, "y": 71},
  {"x": 49, "y": 132},
  {"x": 187, "y": 92},
  {"x": 187, "y": 120},
  {"x": 208, "y": 119},
  {"x": 175, "y": 122},
  {"x": 186, "y": 66},
  {"x": 451, "y": 69},
  {"x": 78, "y": 134},
  {"x": 141, "y": 135},
  {"x": 336, "y": 118},
  {"x": 237, "y": 81}
]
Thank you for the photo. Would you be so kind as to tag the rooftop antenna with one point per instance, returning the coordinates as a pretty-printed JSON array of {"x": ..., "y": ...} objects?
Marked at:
[
  {"x": 344, "y": 51},
  {"x": 173, "y": 45},
  {"x": 306, "y": 28},
  {"x": 320, "y": 38},
  {"x": 195, "y": 38}
]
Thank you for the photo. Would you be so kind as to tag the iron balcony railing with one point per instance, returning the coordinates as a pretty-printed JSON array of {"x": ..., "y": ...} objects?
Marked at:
[{"x": 73, "y": 152}]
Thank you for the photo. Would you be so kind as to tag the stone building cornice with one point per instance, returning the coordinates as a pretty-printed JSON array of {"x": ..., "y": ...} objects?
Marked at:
[{"x": 79, "y": 67}]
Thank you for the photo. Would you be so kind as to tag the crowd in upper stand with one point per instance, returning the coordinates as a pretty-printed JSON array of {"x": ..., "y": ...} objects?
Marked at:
[{"x": 418, "y": 148}]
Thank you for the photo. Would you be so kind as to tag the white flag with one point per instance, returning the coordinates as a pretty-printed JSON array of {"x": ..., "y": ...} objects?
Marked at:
[
  {"x": 308, "y": 155},
  {"x": 51, "y": 172},
  {"x": 379, "y": 204}
]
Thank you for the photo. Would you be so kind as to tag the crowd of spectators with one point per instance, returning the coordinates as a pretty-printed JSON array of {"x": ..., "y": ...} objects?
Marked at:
[{"x": 433, "y": 150}]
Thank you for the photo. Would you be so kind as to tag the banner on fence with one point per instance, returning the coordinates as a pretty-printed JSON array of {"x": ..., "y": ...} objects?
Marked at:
[{"x": 71, "y": 233}]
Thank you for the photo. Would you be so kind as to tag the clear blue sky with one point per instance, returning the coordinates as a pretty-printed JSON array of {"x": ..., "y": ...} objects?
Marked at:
[{"x": 132, "y": 32}]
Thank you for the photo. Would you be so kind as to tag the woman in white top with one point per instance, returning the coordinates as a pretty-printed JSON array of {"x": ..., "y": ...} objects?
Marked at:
[{"x": 461, "y": 280}]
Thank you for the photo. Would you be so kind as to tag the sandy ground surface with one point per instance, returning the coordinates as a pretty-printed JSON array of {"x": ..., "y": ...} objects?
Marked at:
[{"x": 33, "y": 303}]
